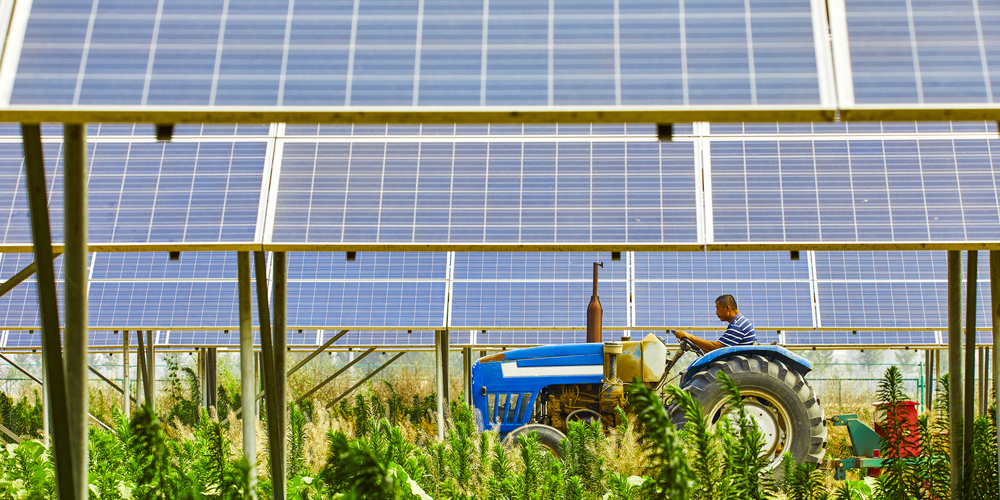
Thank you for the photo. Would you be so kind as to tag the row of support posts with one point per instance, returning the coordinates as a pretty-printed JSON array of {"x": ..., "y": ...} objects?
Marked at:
[{"x": 962, "y": 389}]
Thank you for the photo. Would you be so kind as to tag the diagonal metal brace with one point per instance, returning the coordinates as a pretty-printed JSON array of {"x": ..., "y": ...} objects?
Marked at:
[
  {"x": 20, "y": 276},
  {"x": 335, "y": 375},
  {"x": 10, "y": 433},
  {"x": 362, "y": 381},
  {"x": 319, "y": 350},
  {"x": 39, "y": 382},
  {"x": 110, "y": 382}
]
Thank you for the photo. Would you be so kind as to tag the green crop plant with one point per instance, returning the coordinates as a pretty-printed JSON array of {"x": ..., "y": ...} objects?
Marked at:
[
  {"x": 23, "y": 417},
  {"x": 896, "y": 482},
  {"x": 296, "y": 441},
  {"x": 666, "y": 463}
]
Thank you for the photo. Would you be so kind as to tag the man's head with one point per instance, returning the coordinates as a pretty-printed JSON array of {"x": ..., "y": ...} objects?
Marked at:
[{"x": 725, "y": 307}]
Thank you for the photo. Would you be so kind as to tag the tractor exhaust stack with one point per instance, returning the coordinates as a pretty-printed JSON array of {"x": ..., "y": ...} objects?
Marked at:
[{"x": 595, "y": 315}]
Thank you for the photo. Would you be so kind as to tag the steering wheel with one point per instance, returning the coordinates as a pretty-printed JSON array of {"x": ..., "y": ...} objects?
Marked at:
[{"x": 688, "y": 346}]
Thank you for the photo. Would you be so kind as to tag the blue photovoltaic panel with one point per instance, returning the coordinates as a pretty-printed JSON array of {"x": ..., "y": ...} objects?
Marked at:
[
  {"x": 169, "y": 304},
  {"x": 144, "y": 130},
  {"x": 857, "y": 190},
  {"x": 410, "y": 52},
  {"x": 379, "y": 337},
  {"x": 859, "y": 338},
  {"x": 534, "y": 304},
  {"x": 891, "y": 289},
  {"x": 318, "y": 266},
  {"x": 366, "y": 304},
  {"x": 19, "y": 306},
  {"x": 157, "y": 266},
  {"x": 412, "y": 192},
  {"x": 528, "y": 337},
  {"x": 692, "y": 303},
  {"x": 147, "y": 192},
  {"x": 853, "y": 128},
  {"x": 917, "y": 52},
  {"x": 889, "y": 266},
  {"x": 23, "y": 339},
  {"x": 715, "y": 266},
  {"x": 536, "y": 266}
]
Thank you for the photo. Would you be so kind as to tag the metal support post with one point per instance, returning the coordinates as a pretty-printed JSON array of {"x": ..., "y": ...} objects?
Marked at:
[
  {"x": 248, "y": 374},
  {"x": 274, "y": 432},
  {"x": 126, "y": 383},
  {"x": 955, "y": 379},
  {"x": 202, "y": 385},
  {"x": 981, "y": 383},
  {"x": 969, "y": 413},
  {"x": 212, "y": 377},
  {"x": 929, "y": 376},
  {"x": 441, "y": 377},
  {"x": 279, "y": 273},
  {"x": 150, "y": 369},
  {"x": 365, "y": 379},
  {"x": 467, "y": 375},
  {"x": 54, "y": 372},
  {"x": 995, "y": 313},
  {"x": 75, "y": 295}
]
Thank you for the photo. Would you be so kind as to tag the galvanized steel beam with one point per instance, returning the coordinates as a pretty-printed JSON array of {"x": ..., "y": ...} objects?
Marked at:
[
  {"x": 995, "y": 313},
  {"x": 75, "y": 273},
  {"x": 279, "y": 273},
  {"x": 955, "y": 380},
  {"x": 971, "y": 274},
  {"x": 20, "y": 276},
  {"x": 274, "y": 431},
  {"x": 53, "y": 371},
  {"x": 247, "y": 372},
  {"x": 126, "y": 383},
  {"x": 365, "y": 379},
  {"x": 434, "y": 114},
  {"x": 335, "y": 375}
]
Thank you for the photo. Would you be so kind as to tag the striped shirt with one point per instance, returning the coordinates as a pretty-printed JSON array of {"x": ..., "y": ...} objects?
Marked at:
[{"x": 740, "y": 332}]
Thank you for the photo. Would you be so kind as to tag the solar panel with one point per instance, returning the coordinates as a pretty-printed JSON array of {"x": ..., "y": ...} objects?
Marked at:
[
  {"x": 855, "y": 190},
  {"x": 923, "y": 52},
  {"x": 891, "y": 290},
  {"x": 144, "y": 192},
  {"x": 366, "y": 304},
  {"x": 434, "y": 52},
  {"x": 543, "y": 193}
]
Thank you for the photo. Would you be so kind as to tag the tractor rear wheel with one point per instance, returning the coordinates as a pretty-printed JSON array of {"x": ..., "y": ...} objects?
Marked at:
[{"x": 781, "y": 402}]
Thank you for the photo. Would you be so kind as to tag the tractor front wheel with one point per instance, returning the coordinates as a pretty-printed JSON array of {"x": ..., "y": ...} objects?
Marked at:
[
  {"x": 781, "y": 402},
  {"x": 549, "y": 438}
]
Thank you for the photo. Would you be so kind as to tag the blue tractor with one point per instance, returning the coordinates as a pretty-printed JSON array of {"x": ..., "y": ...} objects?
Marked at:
[{"x": 542, "y": 388}]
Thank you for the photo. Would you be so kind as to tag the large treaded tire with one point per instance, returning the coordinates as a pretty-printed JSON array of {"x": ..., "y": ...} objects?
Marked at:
[
  {"x": 774, "y": 386},
  {"x": 549, "y": 437}
]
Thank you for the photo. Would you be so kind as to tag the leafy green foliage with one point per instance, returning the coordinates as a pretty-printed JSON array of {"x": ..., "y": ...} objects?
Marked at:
[
  {"x": 896, "y": 481},
  {"x": 667, "y": 465},
  {"x": 581, "y": 453},
  {"x": 744, "y": 445},
  {"x": 23, "y": 418}
]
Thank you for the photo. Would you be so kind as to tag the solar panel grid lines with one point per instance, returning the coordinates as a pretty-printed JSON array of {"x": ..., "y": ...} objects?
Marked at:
[
  {"x": 150, "y": 192},
  {"x": 412, "y": 192},
  {"x": 420, "y": 53},
  {"x": 908, "y": 189},
  {"x": 925, "y": 52}
]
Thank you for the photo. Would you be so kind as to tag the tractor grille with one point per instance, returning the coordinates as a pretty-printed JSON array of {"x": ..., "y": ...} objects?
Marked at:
[{"x": 508, "y": 407}]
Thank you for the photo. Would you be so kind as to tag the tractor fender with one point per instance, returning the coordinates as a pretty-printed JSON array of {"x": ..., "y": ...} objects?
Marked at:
[{"x": 790, "y": 359}]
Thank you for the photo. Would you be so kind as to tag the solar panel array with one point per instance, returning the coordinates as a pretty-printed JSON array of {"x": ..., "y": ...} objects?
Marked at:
[
  {"x": 418, "y": 52},
  {"x": 488, "y": 299},
  {"x": 551, "y": 187}
]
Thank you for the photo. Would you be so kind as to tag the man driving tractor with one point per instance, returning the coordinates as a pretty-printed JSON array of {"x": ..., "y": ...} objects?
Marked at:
[{"x": 740, "y": 331}]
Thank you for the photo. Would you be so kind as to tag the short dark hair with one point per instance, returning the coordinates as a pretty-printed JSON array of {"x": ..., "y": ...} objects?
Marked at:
[{"x": 727, "y": 300}]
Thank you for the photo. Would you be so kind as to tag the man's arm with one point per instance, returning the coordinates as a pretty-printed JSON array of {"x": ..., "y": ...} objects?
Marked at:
[{"x": 704, "y": 345}]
